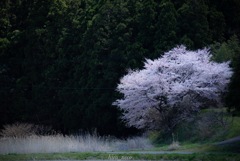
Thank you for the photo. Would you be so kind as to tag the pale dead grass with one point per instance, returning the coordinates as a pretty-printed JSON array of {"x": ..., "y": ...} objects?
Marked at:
[
  {"x": 23, "y": 138},
  {"x": 60, "y": 143}
]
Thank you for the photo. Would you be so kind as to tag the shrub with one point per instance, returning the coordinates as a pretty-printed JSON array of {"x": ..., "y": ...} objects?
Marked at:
[
  {"x": 18, "y": 130},
  {"x": 24, "y": 130},
  {"x": 210, "y": 124}
]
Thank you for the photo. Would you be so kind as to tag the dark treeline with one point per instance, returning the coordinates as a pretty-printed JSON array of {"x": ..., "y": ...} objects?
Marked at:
[{"x": 61, "y": 60}]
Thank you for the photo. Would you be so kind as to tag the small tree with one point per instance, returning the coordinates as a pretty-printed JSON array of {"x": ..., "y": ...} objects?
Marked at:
[{"x": 171, "y": 89}]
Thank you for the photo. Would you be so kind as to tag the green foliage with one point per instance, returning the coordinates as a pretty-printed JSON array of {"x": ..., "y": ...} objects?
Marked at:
[
  {"x": 166, "y": 27},
  {"x": 230, "y": 51},
  {"x": 193, "y": 25},
  {"x": 222, "y": 52},
  {"x": 211, "y": 125},
  {"x": 233, "y": 98},
  {"x": 217, "y": 24},
  {"x": 227, "y": 51}
]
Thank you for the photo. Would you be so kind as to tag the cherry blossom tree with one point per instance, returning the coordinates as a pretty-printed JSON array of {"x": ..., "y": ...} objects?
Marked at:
[{"x": 172, "y": 88}]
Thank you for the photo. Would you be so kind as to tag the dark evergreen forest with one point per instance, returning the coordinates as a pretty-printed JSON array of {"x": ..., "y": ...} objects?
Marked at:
[{"x": 61, "y": 60}]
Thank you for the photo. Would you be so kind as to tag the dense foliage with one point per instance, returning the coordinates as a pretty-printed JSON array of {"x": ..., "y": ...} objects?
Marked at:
[
  {"x": 230, "y": 51},
  {"x": 171, "y": 89},
  {"x": 61, "y": 60}
]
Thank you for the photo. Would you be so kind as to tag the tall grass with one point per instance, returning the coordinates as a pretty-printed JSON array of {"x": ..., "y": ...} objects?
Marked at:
[{"x": 60, "y": 143}]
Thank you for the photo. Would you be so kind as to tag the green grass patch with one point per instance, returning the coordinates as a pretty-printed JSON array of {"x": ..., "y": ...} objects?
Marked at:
[
  {"x": 234, "y": 129},
  {"x": 190, "y": 147},
  {"x": 131, "y": 156},
  {"x": 203, "y": 148},
  {"x": 232, "y": 147}
]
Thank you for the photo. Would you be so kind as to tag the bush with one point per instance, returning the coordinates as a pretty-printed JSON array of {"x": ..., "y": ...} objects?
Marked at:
[
  {"x": 24, "y": 130},
  {"x": 210, "y": 124},
  {"x": 159, "y": 137}
]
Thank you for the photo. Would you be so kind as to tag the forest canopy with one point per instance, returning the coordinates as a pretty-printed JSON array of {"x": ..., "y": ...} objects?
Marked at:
[{"x": 61, "y": 60}]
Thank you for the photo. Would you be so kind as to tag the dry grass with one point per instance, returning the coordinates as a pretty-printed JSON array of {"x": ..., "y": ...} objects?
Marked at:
[
  {"x": 23, "y": 138},
  {"x": 17, "y": 130},
  {"x": 25, "y": 130},
  {"x": 174, "y": 146},
  {"x": 139, "y": 143},
  {"x": 60, "y": 143},
  {"x": 51, "y": 144}
]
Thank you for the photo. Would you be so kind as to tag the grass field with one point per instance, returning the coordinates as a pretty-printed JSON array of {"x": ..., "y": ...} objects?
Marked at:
[
  {"x": 59, "y": 147},
  {"x": 131, "y": 156},
  {"x": 200, "y": 152}
]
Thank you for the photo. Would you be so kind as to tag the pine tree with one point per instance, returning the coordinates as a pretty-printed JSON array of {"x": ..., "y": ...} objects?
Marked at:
[
  {"x": 193, "y": 26},
  {"x": 166, "y": 27}
]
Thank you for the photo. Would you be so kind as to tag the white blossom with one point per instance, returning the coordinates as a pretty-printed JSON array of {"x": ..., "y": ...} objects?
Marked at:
[{"x": 180, "y": 80}]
